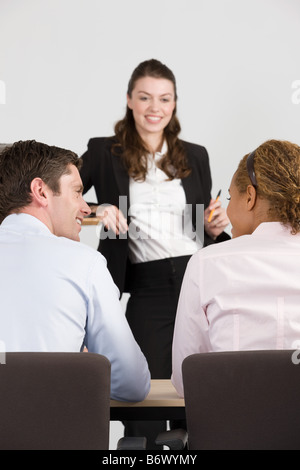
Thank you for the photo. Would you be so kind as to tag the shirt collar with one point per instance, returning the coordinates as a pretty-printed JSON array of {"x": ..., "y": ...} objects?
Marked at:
[
  {"x": 24, "y": 223},
  {"x": 164, "y": 149},
  {"x": 272, "y": 229},
  {"x": 159, "y": 155}
]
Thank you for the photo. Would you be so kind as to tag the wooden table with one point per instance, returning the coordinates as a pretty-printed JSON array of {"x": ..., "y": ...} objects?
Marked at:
[
  {"x": 90, "y": 221},
  {"x": 162, "y": 403}
]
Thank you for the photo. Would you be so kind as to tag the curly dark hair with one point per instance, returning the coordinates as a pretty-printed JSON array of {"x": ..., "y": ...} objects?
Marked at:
[
  {"x": 130, "y": 145},
  {"x": 277, "y": 171},
  {"x": 24, "y": 161}
]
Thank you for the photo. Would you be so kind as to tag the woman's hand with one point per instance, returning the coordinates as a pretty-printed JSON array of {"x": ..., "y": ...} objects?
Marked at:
[
  {"x": 112, "y": 219},
  {"x": 219, "y": 220}
]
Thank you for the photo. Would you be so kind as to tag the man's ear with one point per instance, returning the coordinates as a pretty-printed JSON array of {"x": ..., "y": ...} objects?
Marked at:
[
  {"x": 251, "y": 197},
  {"x": 40, "y": 192}
]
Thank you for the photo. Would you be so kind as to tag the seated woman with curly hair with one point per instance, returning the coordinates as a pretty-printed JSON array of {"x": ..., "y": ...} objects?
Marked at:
[{"x": 244, "y": 294}]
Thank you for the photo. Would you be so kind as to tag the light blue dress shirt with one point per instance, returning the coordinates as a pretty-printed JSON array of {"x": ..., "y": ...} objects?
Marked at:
[{"x": 58, "y": 295}]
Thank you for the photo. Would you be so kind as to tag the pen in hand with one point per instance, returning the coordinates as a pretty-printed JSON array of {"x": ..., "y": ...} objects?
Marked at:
[{"x": 212, "y": 212}]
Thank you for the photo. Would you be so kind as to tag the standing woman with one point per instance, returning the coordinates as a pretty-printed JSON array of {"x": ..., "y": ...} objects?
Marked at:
[{"x": 164, "y": 181}]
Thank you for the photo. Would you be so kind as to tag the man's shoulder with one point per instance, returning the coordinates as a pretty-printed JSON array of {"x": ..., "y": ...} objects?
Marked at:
[{"x": 78, "y": 252}]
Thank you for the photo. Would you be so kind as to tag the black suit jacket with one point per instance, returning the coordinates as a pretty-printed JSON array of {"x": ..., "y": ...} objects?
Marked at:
[{"x": 107, "y": 174}]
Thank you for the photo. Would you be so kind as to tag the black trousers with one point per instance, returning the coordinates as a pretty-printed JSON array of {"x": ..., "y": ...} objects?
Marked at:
[{"x": 151, "y": 310}]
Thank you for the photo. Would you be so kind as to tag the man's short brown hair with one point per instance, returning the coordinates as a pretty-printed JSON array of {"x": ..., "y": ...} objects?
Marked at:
[{"x": 24, "y": 161}]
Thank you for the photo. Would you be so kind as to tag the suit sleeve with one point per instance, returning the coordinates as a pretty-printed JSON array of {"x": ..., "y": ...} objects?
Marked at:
[
  {"x": 205, "y": 175},
  {"x": 207, "y": 185},
  {"x": 86, "y": 169}
]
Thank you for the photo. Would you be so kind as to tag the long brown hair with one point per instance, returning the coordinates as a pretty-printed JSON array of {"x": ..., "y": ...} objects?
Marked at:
[
  {"x": 277, "y": 171},
  {"x": 131, "y": 147}
]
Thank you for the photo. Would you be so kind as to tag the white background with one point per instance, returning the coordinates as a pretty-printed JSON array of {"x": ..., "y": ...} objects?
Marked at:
[{"x": 66, "y": 66}]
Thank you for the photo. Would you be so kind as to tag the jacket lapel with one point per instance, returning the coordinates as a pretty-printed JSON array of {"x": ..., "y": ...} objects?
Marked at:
[{"x": 189, "y": 188}]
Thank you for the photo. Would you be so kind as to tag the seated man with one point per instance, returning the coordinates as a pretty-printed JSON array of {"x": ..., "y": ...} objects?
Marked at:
[
  {"x": 57, "y": 294},
  {"x": 244, "y": 294}
]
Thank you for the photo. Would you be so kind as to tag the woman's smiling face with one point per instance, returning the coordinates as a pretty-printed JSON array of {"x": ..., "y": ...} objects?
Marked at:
[{"x": 152, "y": 102}]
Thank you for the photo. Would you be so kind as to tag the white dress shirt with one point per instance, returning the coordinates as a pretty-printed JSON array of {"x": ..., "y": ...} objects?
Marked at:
[
  {"x": 57, "y": 295},
  {"x": 160, "y": 224},
  {"x": 243, "y": 294}
]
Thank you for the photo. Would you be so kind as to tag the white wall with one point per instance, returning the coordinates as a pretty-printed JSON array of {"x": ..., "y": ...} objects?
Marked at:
[{"x": 66, "y": 66}]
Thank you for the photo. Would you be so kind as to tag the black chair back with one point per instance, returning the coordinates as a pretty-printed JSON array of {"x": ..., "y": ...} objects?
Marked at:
[
  {"x": 54, "y": 401},
  {"x": 242, "y": 400}
]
